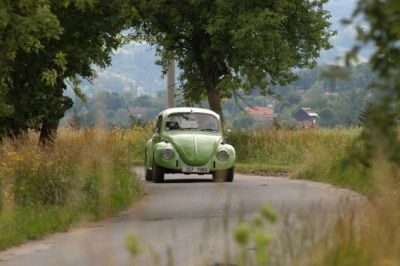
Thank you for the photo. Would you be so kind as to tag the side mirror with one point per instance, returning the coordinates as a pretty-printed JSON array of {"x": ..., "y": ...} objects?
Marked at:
[{"x": 227, "y": 132}]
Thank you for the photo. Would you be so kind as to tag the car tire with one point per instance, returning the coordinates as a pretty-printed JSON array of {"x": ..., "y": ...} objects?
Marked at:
[
  {"x": 224, "y": 175},
  {"x": 158, "y": 173},
  {"x": 148, "y": 175}
]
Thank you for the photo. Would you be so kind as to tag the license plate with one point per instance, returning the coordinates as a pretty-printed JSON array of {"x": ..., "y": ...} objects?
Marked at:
[{"x": 192, "y": 169}]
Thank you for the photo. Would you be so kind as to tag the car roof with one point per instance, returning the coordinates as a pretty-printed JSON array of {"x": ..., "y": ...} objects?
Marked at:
[{"x": 189, "y": 110}]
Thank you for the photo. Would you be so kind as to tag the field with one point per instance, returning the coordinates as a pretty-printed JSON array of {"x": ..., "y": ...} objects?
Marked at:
[{"x": 320, "y": 155}]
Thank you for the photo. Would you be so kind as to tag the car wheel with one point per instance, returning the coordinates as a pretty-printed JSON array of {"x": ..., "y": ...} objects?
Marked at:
[
  {"x": 148, "y": 175},
  {"x": 224, "y": 175},
  {"x": 158, "y": 173}
]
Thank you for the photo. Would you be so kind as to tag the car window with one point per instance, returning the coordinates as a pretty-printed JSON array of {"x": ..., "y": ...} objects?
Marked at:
[
  {"x": 192, "y": 121},
  {"x": 158, "y": 123}
]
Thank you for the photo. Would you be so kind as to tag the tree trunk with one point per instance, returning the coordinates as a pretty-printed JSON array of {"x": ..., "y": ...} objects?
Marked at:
[
  {"x": 214, "y": 100},
  {"x": 48, "y": 131},
  {"x": 210, "y": 76}
]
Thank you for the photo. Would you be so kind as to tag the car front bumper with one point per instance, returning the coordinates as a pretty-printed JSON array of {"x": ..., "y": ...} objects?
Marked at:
[{"x": 177, "y": 165}]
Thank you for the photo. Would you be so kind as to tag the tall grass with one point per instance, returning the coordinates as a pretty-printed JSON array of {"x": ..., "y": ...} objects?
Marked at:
[
  {"x": 371, "y": 237},
  {"x": 85, "y": 175},
  {"x": 319, "y": 155},
  {"x": 366, "y": 235}
]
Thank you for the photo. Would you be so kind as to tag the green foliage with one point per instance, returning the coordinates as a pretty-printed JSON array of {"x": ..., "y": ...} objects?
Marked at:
[
  {"x": 226, "y": 45},
  {"x": 44, "y": 44},
  {"x": 132, "y": 244},
  {"x": 255, "y": 233},
  {"x": 380, "y": 135},
  {"x": 339, "y": 107},
  {"x": 23, "y": 31},
  {"x": 243, "y": 121},
  {"x": 269, "y": 214}
]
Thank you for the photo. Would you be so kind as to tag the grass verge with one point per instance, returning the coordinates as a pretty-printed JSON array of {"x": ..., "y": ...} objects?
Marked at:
[
  {"x": 85, "y": 175},
  {"x": 318, "y": 155}
]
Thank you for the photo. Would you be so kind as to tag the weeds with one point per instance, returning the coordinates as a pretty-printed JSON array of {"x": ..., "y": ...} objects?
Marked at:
[
  {"x": 319, "y": 155},
  {"x": 86, "y": 174}
]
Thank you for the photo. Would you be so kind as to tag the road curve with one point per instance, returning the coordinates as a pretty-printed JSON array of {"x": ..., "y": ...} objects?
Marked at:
[{"x": 187, "y": 220}]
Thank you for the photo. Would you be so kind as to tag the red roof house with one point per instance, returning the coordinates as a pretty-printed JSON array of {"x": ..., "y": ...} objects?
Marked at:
[{"x": 261, "y": 113}]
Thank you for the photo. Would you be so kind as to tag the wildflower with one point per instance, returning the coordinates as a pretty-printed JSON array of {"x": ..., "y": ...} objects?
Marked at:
[{"x": 15, "y": 156}]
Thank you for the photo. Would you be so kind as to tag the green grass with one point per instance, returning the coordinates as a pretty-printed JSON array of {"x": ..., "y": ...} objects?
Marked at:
[
  {"x": 318, "y": 155},
  {"x": 262, "y": 169},
  {"x": 86, "y": 175},
  {"x": 24, "y": 224}
]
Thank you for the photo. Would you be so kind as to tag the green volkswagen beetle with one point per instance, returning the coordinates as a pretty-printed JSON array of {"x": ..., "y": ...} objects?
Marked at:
[{"x": 190, "y": 141}]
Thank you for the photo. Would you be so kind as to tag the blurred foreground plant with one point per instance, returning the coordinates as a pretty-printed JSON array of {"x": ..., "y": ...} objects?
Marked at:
[
  {"x": 255, "y": 235},
  {"x": 133, "y": 246}
]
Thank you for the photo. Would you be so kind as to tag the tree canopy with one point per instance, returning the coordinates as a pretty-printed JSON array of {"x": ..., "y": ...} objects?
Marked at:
[
  {"x": 46, "y": 44},
  {"x": 382, "y": 118},
  {"x": 227, "y": 45}
]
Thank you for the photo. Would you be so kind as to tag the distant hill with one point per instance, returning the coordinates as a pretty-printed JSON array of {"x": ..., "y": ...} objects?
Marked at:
[{"x": 133, "y": 68}]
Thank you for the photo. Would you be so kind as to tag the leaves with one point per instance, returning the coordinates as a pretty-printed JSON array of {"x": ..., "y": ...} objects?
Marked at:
[
  {"x": 44, "y": 44},
  {"x": 49, "y": 76},
  {"x": 234, "y": 45},
  {"x": 380, "y": 135}
]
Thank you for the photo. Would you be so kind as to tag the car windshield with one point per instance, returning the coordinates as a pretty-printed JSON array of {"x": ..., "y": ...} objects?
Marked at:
[{"x": 192, "y": 121}]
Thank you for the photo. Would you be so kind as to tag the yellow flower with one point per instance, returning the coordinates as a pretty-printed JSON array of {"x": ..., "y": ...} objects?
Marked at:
[{"x": 15, "y": 156}]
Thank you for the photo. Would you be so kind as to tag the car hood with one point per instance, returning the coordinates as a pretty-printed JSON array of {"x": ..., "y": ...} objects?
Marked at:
[{"x": 194, "y": 147}]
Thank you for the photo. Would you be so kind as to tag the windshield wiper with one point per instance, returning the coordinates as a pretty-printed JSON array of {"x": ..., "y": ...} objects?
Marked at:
[{"x": 209, "y": 129}]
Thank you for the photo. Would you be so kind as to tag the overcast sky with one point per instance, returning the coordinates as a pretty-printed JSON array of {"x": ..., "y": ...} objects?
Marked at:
[{"x": 346, "y": 35}]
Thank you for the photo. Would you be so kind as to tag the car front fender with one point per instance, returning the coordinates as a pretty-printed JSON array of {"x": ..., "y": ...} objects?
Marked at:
[
  {"x": 159, "y": 159},
  {"x": 220, "y": 165},
  {"x": 148, "y": 153}
]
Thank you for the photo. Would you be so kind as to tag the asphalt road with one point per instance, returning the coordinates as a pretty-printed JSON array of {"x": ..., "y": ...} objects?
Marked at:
[{"x": 189, "y": 221}]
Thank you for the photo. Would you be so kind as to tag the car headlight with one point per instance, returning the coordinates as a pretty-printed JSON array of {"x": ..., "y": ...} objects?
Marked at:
[
  {"x": 223, "y": 155},
  {"x": 168, "y": 153}
]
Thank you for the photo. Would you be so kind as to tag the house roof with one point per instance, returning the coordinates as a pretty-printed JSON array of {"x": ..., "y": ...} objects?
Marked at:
[
  {"x": 258, "y": 111},
  {"x": 309, "y": 112}
]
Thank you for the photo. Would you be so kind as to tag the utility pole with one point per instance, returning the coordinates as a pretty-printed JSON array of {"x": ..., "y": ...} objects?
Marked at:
[{"x": 171, "y": 84}]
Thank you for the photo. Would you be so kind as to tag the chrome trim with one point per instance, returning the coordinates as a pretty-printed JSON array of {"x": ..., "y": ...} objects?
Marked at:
[
  {"x": 172, "y": 153},
  {"x": 226, "y": 153}
]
